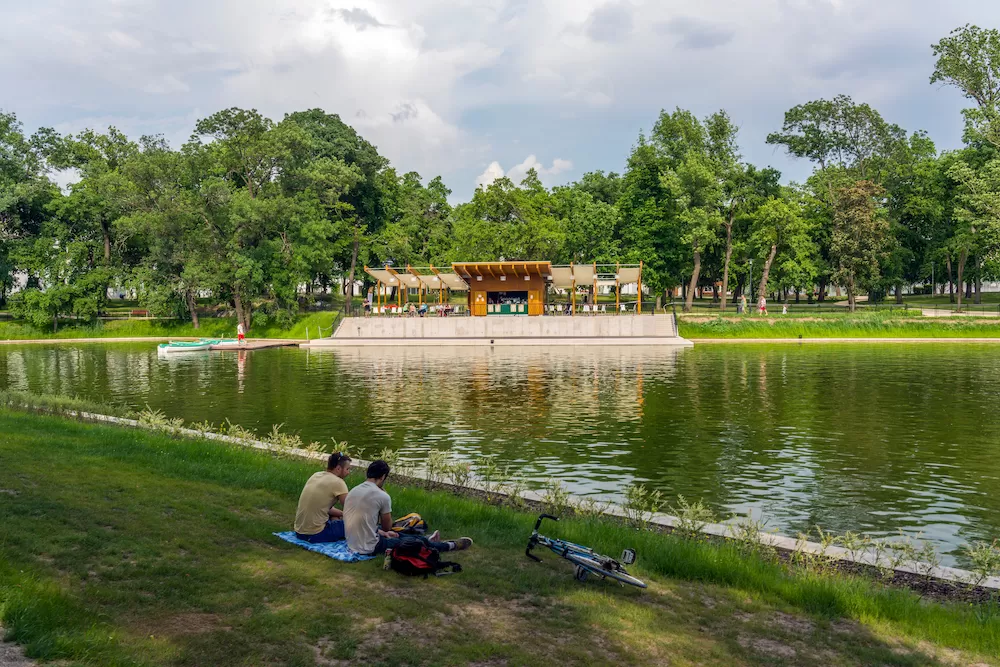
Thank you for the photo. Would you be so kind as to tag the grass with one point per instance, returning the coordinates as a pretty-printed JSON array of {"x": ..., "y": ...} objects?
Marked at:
[
  {"x": 859, "y": 325},
  {"x": 121, "y": 547},
  {"x": 211, "y": 327}
]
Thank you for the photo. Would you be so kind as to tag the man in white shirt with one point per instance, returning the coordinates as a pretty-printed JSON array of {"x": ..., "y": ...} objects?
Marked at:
[{"x": 368, "y": 518}]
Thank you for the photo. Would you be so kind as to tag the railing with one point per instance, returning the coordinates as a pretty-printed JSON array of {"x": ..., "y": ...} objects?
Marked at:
[{"x": 705, "y": 308}]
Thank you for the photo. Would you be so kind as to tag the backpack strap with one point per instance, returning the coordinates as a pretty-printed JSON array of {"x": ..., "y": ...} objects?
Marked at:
[{"x": 453, "y": 568}]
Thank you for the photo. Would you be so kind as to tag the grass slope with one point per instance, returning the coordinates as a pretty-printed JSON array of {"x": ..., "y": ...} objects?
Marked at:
[
  {"x": 211, "y": 327},
  {"x": 868, "y": 325},
  {"x": 120, "y": 547}
]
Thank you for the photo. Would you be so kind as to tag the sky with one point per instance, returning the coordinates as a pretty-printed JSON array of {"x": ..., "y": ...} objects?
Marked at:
[{"x": 472, "y": 90}]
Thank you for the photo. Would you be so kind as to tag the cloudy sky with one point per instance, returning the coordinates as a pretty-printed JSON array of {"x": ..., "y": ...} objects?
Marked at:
[{"x": 472, "y": 89}]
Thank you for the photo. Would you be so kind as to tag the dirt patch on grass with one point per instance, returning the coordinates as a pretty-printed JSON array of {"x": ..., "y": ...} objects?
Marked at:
[
  {"x": 12, "y": 655},
  {"x": 768, "y": 647},
  {"x": 184, "y": 624},
  {"x": 793, "y": 624}
]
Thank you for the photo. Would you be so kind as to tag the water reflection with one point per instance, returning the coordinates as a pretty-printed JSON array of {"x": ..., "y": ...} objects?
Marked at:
[{"x": 875, "y": 438}]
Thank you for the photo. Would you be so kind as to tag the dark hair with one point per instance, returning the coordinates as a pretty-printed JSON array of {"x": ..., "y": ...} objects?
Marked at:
[
  {"x": 378, "y": 469},
  {"x": 337, "y": 459}
]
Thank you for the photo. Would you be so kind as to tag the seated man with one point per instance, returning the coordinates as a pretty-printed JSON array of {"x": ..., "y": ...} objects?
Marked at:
[
  {"x": 368, "y": 518},
  {"x": 316, "y": 519}
]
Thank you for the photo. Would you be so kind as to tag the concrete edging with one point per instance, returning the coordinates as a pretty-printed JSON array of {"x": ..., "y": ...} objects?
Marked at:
[
  {"x": 724, "y": 341},
  {"x": 780, "y": 542}
]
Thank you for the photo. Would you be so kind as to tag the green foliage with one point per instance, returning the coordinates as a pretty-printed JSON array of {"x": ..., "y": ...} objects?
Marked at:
[
  {"x": 640, "y": 504},
  {"x": 985, "y": 558},
  {"x": 860, "y": 238},
  {"x": 555, "y": 498},
  {"x": 691, "y": 517}
]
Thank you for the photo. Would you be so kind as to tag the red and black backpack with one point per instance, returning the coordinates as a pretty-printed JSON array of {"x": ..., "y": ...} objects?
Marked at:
[{"x": 414, "y": 558}]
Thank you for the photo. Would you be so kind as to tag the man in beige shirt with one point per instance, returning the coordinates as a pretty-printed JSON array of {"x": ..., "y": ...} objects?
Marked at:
[{"x": 317, "y": 519}]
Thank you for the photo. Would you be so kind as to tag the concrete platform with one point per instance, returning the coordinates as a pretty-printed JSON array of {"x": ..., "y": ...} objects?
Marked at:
[{"x": 499, "y": 330}]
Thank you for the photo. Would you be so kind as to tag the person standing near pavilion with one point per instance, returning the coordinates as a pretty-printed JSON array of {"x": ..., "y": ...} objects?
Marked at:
[{"x": 762, "y": 306}]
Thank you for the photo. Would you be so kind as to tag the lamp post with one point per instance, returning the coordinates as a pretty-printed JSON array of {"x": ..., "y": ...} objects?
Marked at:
[{"x": 751, "y": 280}]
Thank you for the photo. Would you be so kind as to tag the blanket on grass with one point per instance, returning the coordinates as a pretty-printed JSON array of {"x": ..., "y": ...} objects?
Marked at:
[{"x": 335, "y": 550}]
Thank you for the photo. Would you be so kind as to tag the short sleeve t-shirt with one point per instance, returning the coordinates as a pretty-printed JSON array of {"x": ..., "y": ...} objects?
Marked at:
[
  {"x": 363, "y": 510},
  {"x": 318, "y": 496}
]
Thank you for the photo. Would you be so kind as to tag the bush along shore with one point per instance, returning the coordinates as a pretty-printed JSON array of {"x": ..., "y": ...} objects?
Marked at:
[
  {"x": 126, "y": 546},
  {"x": 864, "y": 325}
]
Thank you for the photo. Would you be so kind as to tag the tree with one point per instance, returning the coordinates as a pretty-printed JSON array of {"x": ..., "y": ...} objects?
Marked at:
[
  {"x": 778, "y": 225},
  {"x": 859, "y": 239},
  {"x": 977, "y": 210},
  {"x": 695, "y": 158},
  {"x": 848, "y": 142},
  {"x": 25, "y": 196},
  {"x": 421, "y": 230},
  {"x": 369, "y": 200},
  {"x": 745, "y": 188},
  {"x": 508, "y": 221},
  {"x": 590, "y": 226},
  {"x": 649, "y": 227},
  {"x": 243, "y": 203},
  {"x": 969, "y": 59}
]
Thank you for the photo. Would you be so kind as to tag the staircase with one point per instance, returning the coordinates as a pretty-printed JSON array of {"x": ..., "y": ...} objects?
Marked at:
[{"x": 666, "y": 325}]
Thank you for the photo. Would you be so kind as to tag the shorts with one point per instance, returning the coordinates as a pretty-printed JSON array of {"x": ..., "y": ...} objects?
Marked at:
[{"x": 240, "y": 337}]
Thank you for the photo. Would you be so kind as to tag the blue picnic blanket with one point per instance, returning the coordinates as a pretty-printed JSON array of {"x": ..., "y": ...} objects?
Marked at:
[{"x": 335, "y": 550}]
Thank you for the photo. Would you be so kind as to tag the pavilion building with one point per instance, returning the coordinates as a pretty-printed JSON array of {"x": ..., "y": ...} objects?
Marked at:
[{"x": 508, "y": 287}]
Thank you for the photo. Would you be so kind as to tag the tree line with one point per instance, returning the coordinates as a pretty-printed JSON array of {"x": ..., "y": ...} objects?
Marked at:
[{"x": 249, "y": 210}]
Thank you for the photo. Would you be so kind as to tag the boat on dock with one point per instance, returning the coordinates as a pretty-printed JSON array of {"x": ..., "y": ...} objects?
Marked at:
[{"x": 177, "y": 346}]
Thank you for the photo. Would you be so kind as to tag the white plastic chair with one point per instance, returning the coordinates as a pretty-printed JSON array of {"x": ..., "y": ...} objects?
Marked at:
[
  {"x": 586, "y": 308},
  {"x": 604, "y": 308},
  {"x": 622, "y": 306}
]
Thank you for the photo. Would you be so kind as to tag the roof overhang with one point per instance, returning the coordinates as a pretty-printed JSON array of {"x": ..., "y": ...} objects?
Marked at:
[
  {"x": 470, "y": 271},
  {"x": 383, "y": 276}
]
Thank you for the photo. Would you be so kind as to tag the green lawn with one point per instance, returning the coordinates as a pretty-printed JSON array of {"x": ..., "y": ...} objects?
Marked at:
[
  {"x": 211, "y": 327},
  {"x": 120, "y": 547},
  {"x": 859, "y": 325}
]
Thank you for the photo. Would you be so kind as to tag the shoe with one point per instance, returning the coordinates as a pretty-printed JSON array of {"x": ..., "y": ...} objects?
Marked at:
[{"x": 463, "y": 543}]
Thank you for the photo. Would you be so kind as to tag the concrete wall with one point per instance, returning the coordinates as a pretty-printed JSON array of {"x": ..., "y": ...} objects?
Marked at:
[{"x": 620, "y": 326}]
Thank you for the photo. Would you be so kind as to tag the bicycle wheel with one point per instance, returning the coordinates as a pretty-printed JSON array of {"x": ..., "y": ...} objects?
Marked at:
[{"x": 595, "y": 567}]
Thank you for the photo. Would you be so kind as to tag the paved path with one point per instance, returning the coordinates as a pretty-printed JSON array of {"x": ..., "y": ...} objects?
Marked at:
[
  {"x": 944, "y": 312},
  {"x": 11, "y": 655}
]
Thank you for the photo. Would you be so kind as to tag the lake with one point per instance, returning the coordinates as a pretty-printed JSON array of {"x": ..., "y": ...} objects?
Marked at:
[{"x": 874, "y": 438}]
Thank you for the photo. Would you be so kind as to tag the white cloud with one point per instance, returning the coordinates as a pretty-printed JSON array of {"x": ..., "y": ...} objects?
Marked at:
[
  {"x": 435, "y": 84},
  {"x": 519, "y": 171},
  {"x": 492, "y": 173}
]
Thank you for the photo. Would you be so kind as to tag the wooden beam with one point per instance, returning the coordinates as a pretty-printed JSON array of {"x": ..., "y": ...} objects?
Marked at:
[{"x": 618, "y": 290}]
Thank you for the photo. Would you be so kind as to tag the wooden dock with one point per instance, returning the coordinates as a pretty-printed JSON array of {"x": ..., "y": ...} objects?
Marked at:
[{"x": 260, "y": 344}]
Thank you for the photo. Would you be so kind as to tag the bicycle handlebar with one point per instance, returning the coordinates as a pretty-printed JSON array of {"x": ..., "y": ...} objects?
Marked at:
[{"x": 538, "y": 522}]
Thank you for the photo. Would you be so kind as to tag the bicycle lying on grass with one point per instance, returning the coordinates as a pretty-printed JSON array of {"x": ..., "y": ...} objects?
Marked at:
[{"x": 586, "y": 560}]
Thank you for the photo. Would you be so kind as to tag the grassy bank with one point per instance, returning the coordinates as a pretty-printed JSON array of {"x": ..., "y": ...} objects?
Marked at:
[
  {"x": 866, "y": 325},
  {"x": 210, "y": 327},
  {"x": 121, "y": 547}
]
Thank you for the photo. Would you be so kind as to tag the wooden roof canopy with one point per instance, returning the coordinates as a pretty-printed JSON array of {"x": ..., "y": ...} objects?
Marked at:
[
  {"x": 465, "y": 273},
  {"x": 469, "y": 270}
]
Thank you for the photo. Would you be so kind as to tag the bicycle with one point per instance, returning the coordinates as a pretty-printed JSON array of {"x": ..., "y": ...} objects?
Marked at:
[{"x": 586, "y": 560}]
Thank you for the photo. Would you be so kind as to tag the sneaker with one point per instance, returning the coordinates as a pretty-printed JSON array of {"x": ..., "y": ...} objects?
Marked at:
[{"x": 463, "y": 543}]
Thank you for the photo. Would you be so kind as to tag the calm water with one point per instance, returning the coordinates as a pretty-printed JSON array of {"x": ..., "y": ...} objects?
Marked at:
[{"x": 855, "y": 437}]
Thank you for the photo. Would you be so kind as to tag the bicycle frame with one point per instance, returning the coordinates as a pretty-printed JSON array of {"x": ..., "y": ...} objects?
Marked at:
[{"x": 585, "y": 558}]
